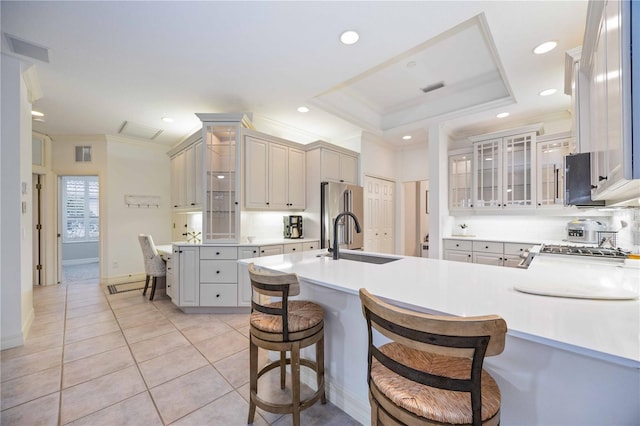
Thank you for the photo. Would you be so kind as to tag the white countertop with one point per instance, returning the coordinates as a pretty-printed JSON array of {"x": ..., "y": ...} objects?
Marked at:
[{"x": 606, "y": 329}]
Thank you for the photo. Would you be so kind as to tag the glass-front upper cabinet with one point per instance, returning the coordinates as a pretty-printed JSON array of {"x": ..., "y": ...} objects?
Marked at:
[
  {"x": 518, "y": 175},
  {"x": 550, "y": 171},
  {"x": 460, "y": 181},
  {"x": 221, "y": 211},
  {"x": 487, "y": 156},
  {"x": 504, "y": 176}
]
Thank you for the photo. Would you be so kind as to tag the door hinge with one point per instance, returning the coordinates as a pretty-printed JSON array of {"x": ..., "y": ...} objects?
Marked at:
[
  {"x": 38, "y": 267},
  {"x": 38, "y": 186},
  {"x": 39, "y": 227}
]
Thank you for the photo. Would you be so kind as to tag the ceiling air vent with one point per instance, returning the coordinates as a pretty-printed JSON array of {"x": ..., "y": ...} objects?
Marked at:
[
  {"x": 139, "y": 131},
  {"x": 26, "y": 48},
  {"x": 432, "y": 87}
]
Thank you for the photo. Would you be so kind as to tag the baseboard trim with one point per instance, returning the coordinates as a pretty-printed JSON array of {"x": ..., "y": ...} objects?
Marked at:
[{"x": 123, "y": 279}]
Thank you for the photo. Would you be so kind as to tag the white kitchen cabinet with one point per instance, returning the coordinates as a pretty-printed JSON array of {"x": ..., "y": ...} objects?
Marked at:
[
  {"x": 606, "y": 57},
  {"x": 271, "y": 250},
  {"x": 187, "y": 275},
  {"x": 310, "y": 245},
  {"x": 170, "y": 283},
  {"x": 550, "y": 170},
  {"x": 338, "y": 166},
  {"x": 458, "y": 250},
  {"x": 274, "y": 175},
  {"x": 460, "y": 181},
  {"x": 292, "y": 248},
  {"x": 193, "y": 175},
  {"x": 496, "y": 253},
  {"x": 244, "y": 284},
  {"x": 221, "y": 134},
  {"x": 178, "y": 193},
  {"x": 503, "y": 171}
]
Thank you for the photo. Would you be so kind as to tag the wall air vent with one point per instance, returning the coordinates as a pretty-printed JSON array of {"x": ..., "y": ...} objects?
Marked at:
[
  {"x": 26, "y": 48},
  {"x": 432, "y": 87},
  {"x": 138, "y": 131}
]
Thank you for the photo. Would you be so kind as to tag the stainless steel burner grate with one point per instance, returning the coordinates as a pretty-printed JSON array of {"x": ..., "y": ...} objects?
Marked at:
[{"x": 603, "y": 252}]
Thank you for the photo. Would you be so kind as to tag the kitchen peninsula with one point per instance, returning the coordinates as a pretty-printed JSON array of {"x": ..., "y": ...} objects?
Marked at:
[{"x": 566, "y": 361}]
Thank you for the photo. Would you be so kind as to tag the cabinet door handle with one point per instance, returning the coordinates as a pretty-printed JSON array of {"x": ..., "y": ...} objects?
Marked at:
[
  {"x": 594, "y": 186},
  {"x": 601, "y": 178}
]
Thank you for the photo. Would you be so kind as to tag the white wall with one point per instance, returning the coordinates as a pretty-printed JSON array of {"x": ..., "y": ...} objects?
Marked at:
[
  {"x": 16, "y": 291},
  {"x": 377, "y": 158},
  {"x": 133, "y": 168}
]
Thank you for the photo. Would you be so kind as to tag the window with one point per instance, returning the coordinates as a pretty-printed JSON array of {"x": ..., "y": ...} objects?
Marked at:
[{"x": 80, "y": 209}]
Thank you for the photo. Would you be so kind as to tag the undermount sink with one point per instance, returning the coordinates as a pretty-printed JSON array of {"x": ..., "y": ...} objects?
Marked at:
[{"x": 378, "y": 260}]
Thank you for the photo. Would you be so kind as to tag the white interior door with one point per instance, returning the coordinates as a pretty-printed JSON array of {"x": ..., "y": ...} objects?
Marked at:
[{"x": 379, "y": 215}]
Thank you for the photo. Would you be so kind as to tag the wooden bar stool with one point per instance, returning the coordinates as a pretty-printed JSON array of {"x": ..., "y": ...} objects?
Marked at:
[
  {"x": 431, "y": 371},
  {"x": 284, "y": 326}
]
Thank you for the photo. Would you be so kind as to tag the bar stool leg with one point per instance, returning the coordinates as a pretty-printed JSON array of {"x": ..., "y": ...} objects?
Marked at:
[
  {"x": 320, "y": 367},
  {"x": 253, "y": 378},
  {"x": 295, "y": 382},
  {"x": 283, "y": 369}
]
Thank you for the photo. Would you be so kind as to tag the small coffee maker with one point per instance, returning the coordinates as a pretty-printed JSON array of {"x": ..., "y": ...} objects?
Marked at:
[{"x": 292, "y": 226}]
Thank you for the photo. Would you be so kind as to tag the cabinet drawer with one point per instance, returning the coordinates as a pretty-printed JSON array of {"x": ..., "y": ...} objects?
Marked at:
[
  {"x": 293, "y": 248},
  {"x": 218, "y": 271},
  {"x": 271, "y": 250},
  {"x": 457, "y": 245},
  {"x": 517, "y": 248},
  {"x": 218, "y": 295},
  {"x": 218, "y": 253},
  {"x": 310, "y": 245},
  {"x": 488, "y": 247}
]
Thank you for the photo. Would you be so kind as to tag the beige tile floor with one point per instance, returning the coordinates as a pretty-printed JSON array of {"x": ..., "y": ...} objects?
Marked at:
[{"x": 92, "y": 358}]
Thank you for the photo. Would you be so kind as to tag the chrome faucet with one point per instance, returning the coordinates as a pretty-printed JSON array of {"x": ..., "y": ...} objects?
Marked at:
[{"x": 336, "y": 256}]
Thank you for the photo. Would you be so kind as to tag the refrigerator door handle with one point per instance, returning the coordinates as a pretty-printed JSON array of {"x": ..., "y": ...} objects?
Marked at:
[{"x": 348, "y": 205}]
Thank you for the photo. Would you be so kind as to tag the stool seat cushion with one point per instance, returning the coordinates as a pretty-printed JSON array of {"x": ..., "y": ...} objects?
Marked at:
[
  {"x": 435, "y": 404},
  {"x": 302, "y": 316}
]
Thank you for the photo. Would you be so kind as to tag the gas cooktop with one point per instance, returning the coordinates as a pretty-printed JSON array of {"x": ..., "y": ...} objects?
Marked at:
[{"x": 601, "y": 252}]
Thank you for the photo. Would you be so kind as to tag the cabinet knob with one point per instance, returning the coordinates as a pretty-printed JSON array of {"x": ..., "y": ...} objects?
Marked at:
[
  {"x": 267, "y": 203},
  {"x": 457, "y": 245},
  {"x": 193, "y": 204},
  {"x": 470, "y": 205},
  {"x": 168, "y": 285},
  {"x": 311, "y": 247},
  {"x": 217, "y": 295},
  {"x": 539, "y": 204},
  {"x": 341, "y": 180},
  {"x": 468, "y": 255},
  {"x": 217, "y": 253},
  {"x": 236, "y": 203},
  {"x": 486, "y": 247},
  {"x": 601, "y": 178},
  {"x": 261, "y": 251},
  {"x": 168, "y": 269},
  {"x": 293, "y": 249},
  {"x": 217, "y": 272},
  {"x": 255, "y": 251}
]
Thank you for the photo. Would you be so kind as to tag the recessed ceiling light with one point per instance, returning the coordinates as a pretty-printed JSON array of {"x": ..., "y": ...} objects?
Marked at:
[
  {"x": 349, "y": 37},
  {"x": 503, "y": 115},
  {"x": 303, "y": 109},
  {"x": 37, "y": 114},
  {"x": 545, "y": 47},
  {"x": 406, "y": 137},
  {"x": 547, "y": 92},
  {"x": 167, "y": 119}
]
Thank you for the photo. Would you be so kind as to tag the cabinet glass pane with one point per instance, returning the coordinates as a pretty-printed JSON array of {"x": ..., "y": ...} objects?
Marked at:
[
  {"x": 550, "y": 159},
  {"x": 487, "y": 158},
  {"x": 517, "y": 159},
  {"x": 220, "y": 207},
  {"x": 460, "y": 178}
]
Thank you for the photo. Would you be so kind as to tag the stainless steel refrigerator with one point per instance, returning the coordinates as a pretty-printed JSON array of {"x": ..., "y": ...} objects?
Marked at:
[{"x": 336, "y": 198}]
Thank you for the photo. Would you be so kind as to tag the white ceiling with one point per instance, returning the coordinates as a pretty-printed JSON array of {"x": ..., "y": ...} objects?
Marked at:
[{"x": 111, "y": 62}]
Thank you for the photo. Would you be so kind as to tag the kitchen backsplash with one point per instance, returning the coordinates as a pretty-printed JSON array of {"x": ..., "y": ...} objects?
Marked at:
[
  {"x": 266, "y": 224},
  {"x": 541, "y": 228}
]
